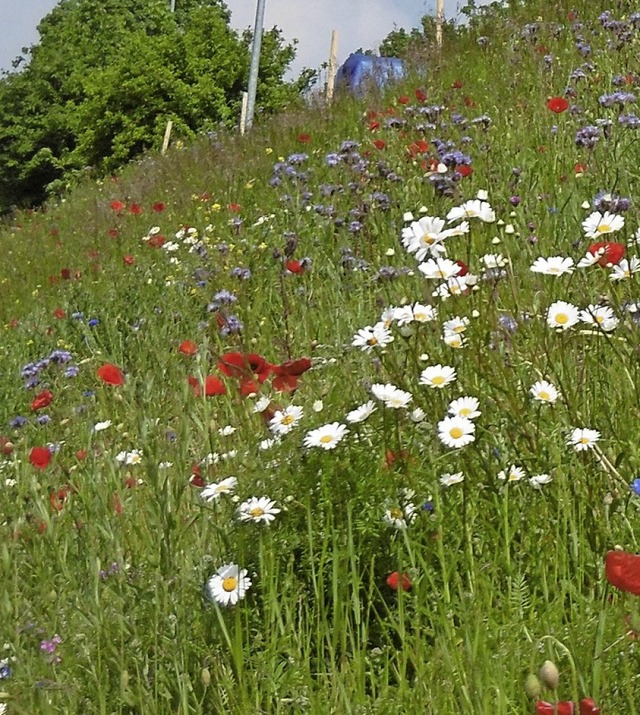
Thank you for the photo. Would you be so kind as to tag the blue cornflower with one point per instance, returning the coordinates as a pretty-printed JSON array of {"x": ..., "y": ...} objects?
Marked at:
[
  {"x": 18, "y": 422},
  {"x": 635, "y": 487},
  {"x": 72, "y": 371}
]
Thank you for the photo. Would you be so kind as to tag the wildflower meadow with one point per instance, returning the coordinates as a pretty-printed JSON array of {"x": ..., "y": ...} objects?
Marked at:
[{"x": 340, "y": 416}]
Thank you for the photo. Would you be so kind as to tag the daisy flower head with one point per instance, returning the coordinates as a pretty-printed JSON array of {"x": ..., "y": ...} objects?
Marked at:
[
  {"x": 562, "y": 315},
  {"x": 424, "y": 237},
  {"x": 456, "y": 325},
  {"x": 212, "y": 491},
  {"x": 258, "y": 509},
  {"x": 513, "y": 474},
  {"x": 391, "y": 396},
  {"x": 376, "y": 336},
  {"x": 625, "y": 269},
  {"x": 465, "y": 407},
  {"x": 539, "y": 480},
  {"x": 283, "y": 421},
  {"x": 475, "y": 208},
  {"x": 129, "y": 458},
  {"x": 456, "y": 285},
  {"x": 326, "y": 437},
  {"x": 582, "y": 439},
  {"x": 403, "y": 315},
  {"x": 437, "y": 376},
  {"x": 439, "y": 268},
  {"x": 456, "y": 432},
  {"x": 399, "y": 517},
  {"x": 424, "y": 313},
  {"x": 361, "y": 413},
  {"x": 598, "y": 224},
  {"x": 494, "y": 260},
  {"x": 544, "y": 391},
  {"x": 448, "y": 480},
  {"x": 454, "y": 340},
  {"x": 602, "y": 316},
  {"x": 553, "y": 266},
  {"x": 228, "y": 585}
]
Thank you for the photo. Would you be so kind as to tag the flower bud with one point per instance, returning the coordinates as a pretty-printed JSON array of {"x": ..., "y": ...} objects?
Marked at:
[
  {"x": 549, "y": 675},
  {"x": 124, "y": 679},
  {"x": 205, "y": 677},
  {"x": 532, "y": 686}
]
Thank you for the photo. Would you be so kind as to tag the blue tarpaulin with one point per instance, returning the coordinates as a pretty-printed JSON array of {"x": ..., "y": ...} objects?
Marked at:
[{"x": 360, "y": 70}]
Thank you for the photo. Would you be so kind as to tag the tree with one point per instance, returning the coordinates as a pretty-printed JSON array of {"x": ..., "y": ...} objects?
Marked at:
[{"x": 106, "y": 76}]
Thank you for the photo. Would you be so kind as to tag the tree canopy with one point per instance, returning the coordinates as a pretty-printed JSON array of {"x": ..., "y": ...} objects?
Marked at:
[{"x": 107, "y": 75}]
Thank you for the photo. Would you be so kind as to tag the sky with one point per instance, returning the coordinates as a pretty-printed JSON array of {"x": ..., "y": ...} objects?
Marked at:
[{"x": 359, "y": 23}]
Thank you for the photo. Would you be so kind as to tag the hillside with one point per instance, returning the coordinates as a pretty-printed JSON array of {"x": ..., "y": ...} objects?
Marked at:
[{"x": 340, "y": 416}]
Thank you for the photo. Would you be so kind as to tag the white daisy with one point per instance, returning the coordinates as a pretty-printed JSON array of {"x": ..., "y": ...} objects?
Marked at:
[
  {"x": 399, "y": 517},
  {"x": 582, "y": 438},
  {"x": 544, "y": 391},
  {"x": 456, "y": 325},
  {"x": 212, "y": 491},
  {"x": 456, "y": 432},
  {"x": 283, "y": 421},
  {"x": 100, "y": 426},
  {"x": 376, "y": 336},
  {"x": 417, "y": 415},
  {"x": 625, "y": 269},
  {"x": 391, "y": 395},
  {"x": 361, "y": 413},
  {"x": 600, "y": 315},
  {"x": 472, "y": 209},
  {"x": 458, "y": 285},
  {"x": 424, "y": 313},
  {"x": 327, "y": 437},
  {"x": 259, "y": 509},
  {"x": 448, "y": 480},
  {"x": 513, "y": 474},
  {"x": 129, "y": 458},
  {"x": 598, "y": 224},
  {"x": 539, "y": 480},
  {"x": 403, "y": 315},
  {"x": 439, "y": 268},
  {"x": 590, "y": 259},
  {"x": 228, "y": 585},
  {"x": 226, "y": 431},
  {"x": 388, "y": 316},
  {"x": 454, "y": 340},
  {"x": 553, "y": 266},
  {"x": 465, "y": 407},
  {"x": 494, "y": 260},
  {"x": 437, "y": 376},
  {"x": 562, "y": 315},
  {"x": 424, "y": 237}
]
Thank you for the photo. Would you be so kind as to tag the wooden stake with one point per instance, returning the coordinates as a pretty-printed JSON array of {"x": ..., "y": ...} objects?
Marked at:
[
  {"x": 167, "y": 135},
  {"x": 331, "y": 77},
  {"x": 243, "y": 112},
  {"x": 439, "y": 20}
]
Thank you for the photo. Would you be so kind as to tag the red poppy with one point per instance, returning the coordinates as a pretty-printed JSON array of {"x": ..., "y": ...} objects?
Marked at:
[
  {"x": 304, "y": 138},
  {"x": 111, "y": 374},
  {"x": 374, "y": 125},
  {"x": 243, "y": 365},
  {"x": 565, "y": 707},
  {"x": 188, "y": 347},
  {"x": 418, "y": 147},
  {"x": 113, "y": 233},
  {"x": 580, "y": 168},
  {"x": 65, "y": 274},
  {"x": 464, "y": 170},
  {"x": 128, "y": 260},
  {"x": 6, "y": 446},
  {"x": 249, "y": 387},
  {"x": 397, "y": 580},
  {"x": 40, "y": 457},
  {"x": 156, "y": 241},
  {"x": 421, "y": 95},
  {"x": 214, "y": 386},
  {"x": 613, "y": 252},
  {"x": 81, "y": 454},
  {"x": 196, "y": 479},
  {"x": 135, "y": 209},
  {"x": 293, "y": 367},
  {"x": 464, "y": 268},
  {"x": 58, "y": 497},
  {"x": 557, "y": 104},
  {"x": 403, "y": 99},
  {"x": 284, "y": 383},
  {"x": 623, "y": 571},
  {"x": 41, "y": 400},
  {"x": 468, "y": 102},
  {"x": 234, "y": 208},
  {"x": 379, "y": 144},
  {"x": 158, "y": 207},
  {"x": 297, "y": 267},
  {"x": 588, "y": 707},
  {"x": 457, "y": 84},
  {"x": 117, "y": 205}
]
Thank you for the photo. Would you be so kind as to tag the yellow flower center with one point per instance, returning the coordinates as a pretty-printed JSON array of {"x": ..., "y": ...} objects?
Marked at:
[
  {"x": 230, "y": 584},
  {"x": 438, "y": 380},
  {"x": 256, "y": 512},
  {"x": 455, "y": 433},
  {"x": 604, "y": 228},
  {"x": 562, "y": 318},
  {"x": 288, "y": 419},
  {"x": 326, "y": 438},
  {"x": 599, "y": 319},
  {"x": 396, "y": 513},
  {"x": 428, "y": 239},
  {"x": 464, "y": 412},
  {"x": 420, "y": 316},
  {"x": 584, "y": 440},
  {"x": 372, "y": 341},
  {"x": 544, "y": 395}
]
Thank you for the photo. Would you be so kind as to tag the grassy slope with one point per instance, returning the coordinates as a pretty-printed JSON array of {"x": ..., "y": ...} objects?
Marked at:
[{"x": 498, "y": 571}]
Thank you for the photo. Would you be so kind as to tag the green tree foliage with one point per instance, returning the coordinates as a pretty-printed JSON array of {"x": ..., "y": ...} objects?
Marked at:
[
  {"x": 106, "y": 77},
  {"x": 400, "y": 43}
]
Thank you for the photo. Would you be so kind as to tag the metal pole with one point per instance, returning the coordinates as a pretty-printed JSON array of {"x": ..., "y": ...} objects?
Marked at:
[
  {"x": 173, "y": 5},
  {"x": 255, "y": 64}
]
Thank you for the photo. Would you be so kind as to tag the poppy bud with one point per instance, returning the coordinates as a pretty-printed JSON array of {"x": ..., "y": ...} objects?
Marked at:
[
  {"x": 549, "y": 675},
  {"x": 124, "y": 679},
  {"x": 205, "y": 677},
  {"x": 532, "y": 686}
]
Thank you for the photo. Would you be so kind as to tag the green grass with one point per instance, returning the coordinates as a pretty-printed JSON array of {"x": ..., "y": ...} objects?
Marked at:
[{"x": 504, "y": 575}]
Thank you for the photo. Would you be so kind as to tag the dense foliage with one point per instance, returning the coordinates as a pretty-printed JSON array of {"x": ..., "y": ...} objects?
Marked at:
[{"x": 106, "y": 77}]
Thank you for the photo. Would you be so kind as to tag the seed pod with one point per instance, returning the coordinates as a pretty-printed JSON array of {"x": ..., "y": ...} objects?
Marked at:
[
  {"x": 549, "y": 675},
  {"x": 532, "y": 686}
]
